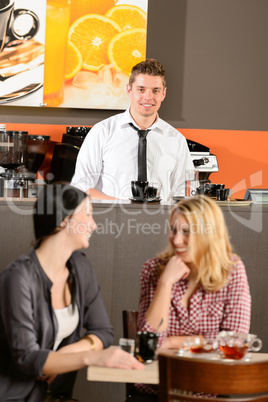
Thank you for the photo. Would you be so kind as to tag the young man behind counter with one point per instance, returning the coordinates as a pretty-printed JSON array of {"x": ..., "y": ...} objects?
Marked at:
[{"x": 108, "y": 158}]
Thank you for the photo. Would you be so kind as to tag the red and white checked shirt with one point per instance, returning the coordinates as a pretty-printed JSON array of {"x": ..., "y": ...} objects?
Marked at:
[{"x": 209, "y": 313}]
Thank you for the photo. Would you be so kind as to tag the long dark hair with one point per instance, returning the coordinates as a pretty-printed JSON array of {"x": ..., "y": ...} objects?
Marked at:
[{"x": 54, "y": 203}]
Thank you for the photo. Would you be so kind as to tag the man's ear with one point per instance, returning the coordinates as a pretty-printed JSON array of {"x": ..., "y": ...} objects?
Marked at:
[{"x": 128, "y": 88}]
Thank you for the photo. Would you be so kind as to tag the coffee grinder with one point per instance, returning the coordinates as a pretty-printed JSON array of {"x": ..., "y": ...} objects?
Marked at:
[{"x": 20, "y": 158}]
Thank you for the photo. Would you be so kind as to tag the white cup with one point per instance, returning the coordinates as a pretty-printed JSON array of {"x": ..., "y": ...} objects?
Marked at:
[{"x": 191, "y": 182}]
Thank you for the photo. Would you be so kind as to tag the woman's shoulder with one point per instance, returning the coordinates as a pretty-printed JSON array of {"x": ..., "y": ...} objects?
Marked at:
[
  {"x": 151, "y": 267},
  {"x": 238, "y": 269},
  {"x": 24, "y": 266}
]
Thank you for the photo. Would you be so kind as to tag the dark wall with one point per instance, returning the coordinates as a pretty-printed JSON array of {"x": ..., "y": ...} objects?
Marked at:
[
  {"x": 215, "y": 54},
  {"x": 216, "y": 57}
]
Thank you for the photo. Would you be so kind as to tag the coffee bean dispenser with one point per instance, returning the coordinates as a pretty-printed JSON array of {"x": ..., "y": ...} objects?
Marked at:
[
  {"x": 13, "y": 149},
  {"x": 13, "y": 155}
]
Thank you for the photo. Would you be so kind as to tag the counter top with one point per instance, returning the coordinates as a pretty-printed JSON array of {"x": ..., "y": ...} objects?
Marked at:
[{"x": 137, "y": 205}]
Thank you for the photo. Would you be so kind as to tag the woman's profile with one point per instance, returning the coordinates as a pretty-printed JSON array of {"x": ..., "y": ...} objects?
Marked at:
[{"x": 53, "y": 321}]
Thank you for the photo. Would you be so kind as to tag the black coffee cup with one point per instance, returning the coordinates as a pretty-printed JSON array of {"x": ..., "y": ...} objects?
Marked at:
[
  {"x": 209, "y": 189},
  {"x": 214, "y": 188},
  {"x": 146, "y": 344},
  {"x": 222, "y": 194},
  {"x": 8, "y": 16},
  {"x": 153, "y": 191},
  {"x": 139, "y": 189}
]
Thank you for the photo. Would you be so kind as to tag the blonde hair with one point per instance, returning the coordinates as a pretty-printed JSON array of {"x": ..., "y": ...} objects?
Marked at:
[{"x": 209, "y": 244}]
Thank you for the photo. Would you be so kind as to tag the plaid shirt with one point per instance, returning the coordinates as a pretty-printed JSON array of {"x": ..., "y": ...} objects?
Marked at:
[{"x": 209, "y": 312}]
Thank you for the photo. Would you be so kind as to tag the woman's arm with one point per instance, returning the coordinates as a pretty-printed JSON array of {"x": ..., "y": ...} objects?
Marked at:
[
  {"x": 174, "y": 342},
  {"x": 175, "y": 270},
  {"x": 59, "y": 363},
  {"x": 83, "y": 345}
]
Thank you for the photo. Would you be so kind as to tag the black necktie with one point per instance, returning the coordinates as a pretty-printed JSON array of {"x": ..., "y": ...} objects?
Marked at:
[{"x": 142, "y": 158}]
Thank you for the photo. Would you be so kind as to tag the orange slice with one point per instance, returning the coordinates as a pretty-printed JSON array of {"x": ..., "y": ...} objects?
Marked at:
[
  {"x": 127, "y": 48},
  {"x": 128, "y": 17},
  {"x": 91, "y": 34},
  {"x": 74, "y": 61}
]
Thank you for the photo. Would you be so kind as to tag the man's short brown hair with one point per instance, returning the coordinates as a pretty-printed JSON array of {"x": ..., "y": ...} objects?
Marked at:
[{"x": 149, "y": 67}]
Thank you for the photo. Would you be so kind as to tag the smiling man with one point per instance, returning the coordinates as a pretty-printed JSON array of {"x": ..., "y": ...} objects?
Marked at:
[{"x": 108, "y": 158}]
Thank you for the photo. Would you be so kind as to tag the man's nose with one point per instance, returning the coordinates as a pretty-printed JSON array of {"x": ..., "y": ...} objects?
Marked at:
[{"x": 148, "y": 94}]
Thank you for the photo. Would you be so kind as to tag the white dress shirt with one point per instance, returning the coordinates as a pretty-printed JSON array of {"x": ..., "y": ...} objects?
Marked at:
[{"x": 108, "y": 158}]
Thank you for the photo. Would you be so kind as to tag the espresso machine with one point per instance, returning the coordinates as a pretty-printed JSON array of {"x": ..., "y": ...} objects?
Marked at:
[
  {"x": 204, "y": 161},
  {"x": 21, "y": 155}
]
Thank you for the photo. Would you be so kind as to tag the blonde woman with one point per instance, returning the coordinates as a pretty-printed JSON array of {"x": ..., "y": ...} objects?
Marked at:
[{"x": 198, "y": 285}]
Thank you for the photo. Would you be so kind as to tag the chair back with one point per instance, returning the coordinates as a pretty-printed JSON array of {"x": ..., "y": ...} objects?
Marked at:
[
  {"x": 130, "y": 320},
  {"x": 180, "y": 376}
]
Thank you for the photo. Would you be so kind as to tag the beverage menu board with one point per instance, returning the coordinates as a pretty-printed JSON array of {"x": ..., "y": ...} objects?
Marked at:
[{"x": 70, "y": 53}]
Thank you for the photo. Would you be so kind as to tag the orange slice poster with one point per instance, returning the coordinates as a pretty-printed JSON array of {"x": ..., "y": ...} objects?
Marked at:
[
  {"x": 106, "y": 39},
  {"x": 70, "y": 53}
]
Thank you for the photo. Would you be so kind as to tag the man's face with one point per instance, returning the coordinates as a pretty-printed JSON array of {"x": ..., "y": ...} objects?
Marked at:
[{"x": 146, "y": 94}]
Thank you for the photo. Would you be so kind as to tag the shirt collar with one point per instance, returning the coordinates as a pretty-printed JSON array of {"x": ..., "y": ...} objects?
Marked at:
[{"x": 126, "y": 119}]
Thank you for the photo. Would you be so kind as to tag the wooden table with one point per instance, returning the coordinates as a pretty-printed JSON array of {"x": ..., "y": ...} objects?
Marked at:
[
  {"x": 215, "y": 358},
  {"x": 150, "y": 375}
]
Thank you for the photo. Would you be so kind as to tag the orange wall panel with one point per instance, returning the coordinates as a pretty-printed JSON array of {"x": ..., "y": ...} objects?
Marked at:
[{"x": 242, "y": 157}]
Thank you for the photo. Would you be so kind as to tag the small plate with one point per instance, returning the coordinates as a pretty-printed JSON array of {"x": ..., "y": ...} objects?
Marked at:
[
  {"x": 237, "y": 203},
  {"x": 178, "y": 197},
  {"x": 157, "y": 199},
  {"x": 213, "y": 355}
]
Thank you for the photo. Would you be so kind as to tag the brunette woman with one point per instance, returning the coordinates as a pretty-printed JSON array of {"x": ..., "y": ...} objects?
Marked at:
[{"x": 48, "y": 298}]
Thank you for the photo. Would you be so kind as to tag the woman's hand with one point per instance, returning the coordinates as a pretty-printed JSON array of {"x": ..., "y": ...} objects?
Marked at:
[
  {"x": 115, "y": 357},
  {"x": 175, "y": 270},
  {"x": 174, "y": 342},
  {"x": 60, "y": 363}
]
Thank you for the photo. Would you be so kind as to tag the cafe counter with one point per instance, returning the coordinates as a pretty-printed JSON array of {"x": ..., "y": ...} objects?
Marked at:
[{"x": 127, "y": 235}]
